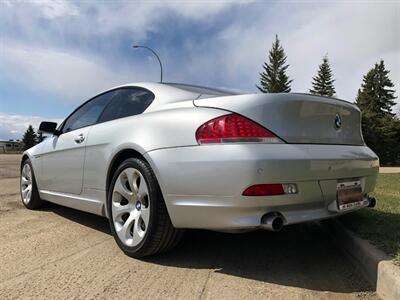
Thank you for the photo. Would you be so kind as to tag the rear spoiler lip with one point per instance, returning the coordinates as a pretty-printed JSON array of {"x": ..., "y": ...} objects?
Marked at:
[
  {"x": 207, "y": 96},
  {"x": 326, "y": 97}
]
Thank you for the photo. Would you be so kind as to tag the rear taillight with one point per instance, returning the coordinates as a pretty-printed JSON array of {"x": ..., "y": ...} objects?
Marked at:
[{"x": 234, "y": 128}]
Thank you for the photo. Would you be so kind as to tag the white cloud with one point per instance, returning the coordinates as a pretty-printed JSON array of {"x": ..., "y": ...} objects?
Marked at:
[
  {"x": 73, "y": 76},
  {"x": 56, "y": 8},
  {"x": 354, "y": 36},
  {"x": 40, "y": 60},
  {"x": 14, "y": 126},
  {"x": 200, "y": 10},
  {"x": 88, "y": 18}
]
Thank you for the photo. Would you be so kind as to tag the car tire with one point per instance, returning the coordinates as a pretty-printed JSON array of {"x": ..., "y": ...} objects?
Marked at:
[
  {"x": 138, "y": 216},
  {"x": 28, "y": 187}
]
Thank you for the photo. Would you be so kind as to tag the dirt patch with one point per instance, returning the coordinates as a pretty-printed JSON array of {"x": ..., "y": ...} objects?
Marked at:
[{"x": 9, "y": 165}]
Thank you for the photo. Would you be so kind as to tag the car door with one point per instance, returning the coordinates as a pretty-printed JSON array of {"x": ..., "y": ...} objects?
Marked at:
[{"x": 63, "y": 155}]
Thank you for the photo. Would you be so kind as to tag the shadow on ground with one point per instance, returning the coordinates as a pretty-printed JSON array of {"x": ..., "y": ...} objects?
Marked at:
[
  {"x": 298, "y": 256},
  {"x": 89, "y": 220}
]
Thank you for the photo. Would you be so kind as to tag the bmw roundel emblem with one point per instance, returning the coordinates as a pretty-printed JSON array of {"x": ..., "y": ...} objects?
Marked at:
[{"x": 338, "y": 122}]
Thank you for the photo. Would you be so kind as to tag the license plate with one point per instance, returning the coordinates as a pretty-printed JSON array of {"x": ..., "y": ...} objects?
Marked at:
[{"x": 349, "y": 194}]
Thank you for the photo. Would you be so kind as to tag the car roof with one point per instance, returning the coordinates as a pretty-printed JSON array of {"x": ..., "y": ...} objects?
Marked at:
[
  {"x": 175, "y": 92},
  {"x": 168, "y": 92},
  {"x": 202, "y": 89}
]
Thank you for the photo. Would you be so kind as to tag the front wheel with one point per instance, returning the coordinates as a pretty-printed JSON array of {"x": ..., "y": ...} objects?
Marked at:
[
  {"x": 137, "y": 213},
  {"x": 28, "y": 188}
]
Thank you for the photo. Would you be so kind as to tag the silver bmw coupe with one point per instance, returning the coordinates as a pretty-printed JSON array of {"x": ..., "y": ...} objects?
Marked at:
[{"x": 157, "y": 158}]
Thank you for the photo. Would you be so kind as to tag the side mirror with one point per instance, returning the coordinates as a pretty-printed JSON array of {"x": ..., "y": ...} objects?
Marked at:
[{"x": 48, "y": 127}]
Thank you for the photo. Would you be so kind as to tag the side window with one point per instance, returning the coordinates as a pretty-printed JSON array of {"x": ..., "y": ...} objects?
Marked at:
[
  {"x": 127, "y": 102},
  {"x": 87, "y": 114}
]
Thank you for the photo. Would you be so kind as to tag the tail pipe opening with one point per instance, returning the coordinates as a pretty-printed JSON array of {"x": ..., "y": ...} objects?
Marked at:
[
  {"x": 371, "y": 201},
  {"x": 273, "y": 221}
]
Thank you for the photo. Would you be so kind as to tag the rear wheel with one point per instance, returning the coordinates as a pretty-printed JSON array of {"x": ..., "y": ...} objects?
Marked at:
[
  {"x": 28, "y": 188},
  {"x": 137, "y": 213}
]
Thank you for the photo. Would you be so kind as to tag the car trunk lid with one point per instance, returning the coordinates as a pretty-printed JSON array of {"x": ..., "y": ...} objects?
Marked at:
[{"x": 297, "y": 118}]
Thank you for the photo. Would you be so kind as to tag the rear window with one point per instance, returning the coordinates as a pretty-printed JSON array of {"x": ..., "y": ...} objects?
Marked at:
[{"x": 127, "y": 102}]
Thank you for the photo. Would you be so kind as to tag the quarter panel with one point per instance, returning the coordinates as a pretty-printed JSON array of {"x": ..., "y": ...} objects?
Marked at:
[{"x": 165, "y": 128}]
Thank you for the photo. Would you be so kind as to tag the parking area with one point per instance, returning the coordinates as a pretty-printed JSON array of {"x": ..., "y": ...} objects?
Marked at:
[{"x": 63, "y": 253}]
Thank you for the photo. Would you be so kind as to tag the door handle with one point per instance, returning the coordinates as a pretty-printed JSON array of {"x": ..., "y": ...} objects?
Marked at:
[{"x": 79, "y": 139}]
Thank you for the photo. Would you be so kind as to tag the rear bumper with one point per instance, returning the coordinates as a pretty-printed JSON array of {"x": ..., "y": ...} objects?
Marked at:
[{"x": 202, "y": 185}]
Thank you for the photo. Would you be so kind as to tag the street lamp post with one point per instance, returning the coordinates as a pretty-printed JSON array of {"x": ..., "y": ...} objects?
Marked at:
[{"x": 152, "y": 51}]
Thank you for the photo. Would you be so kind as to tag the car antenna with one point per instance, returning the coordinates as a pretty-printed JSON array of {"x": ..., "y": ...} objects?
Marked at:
[{"x": 158, "y": 58}]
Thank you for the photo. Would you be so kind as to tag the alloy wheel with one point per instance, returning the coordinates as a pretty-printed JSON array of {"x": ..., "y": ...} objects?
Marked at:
[
  {"x": 130, "y": 207},
  {"x": 26, "y": 183}
]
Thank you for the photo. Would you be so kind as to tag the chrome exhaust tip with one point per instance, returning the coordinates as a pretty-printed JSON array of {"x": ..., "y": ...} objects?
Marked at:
[{"x": 272, "y": 221}]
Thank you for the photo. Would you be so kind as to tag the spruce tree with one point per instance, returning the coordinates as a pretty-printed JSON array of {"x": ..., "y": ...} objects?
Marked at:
[
  {"x": 376, "y": 96},
  {"x": 29, "y": 138},
  {"x": 380, "y": 126},
  {"x": 322, "y": 83},
  {"x": 274, "y": 79}
]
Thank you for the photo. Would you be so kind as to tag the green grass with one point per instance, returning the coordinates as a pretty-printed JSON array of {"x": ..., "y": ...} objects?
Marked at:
[{"x": 380, "y": 225}]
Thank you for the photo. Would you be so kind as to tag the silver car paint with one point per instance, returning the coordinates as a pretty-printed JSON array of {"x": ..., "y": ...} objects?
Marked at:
[
  {"x": 63, "y": 153},
  {"x": 169, "y": 121},
  {"x": 146, "y": 132},
  {"x": 201, "y": 185}
]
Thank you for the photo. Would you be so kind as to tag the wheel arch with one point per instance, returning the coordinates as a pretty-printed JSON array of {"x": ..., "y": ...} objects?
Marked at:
[
  {"x": 117, "y": 160},
  {"x": 23, "y": 159}
]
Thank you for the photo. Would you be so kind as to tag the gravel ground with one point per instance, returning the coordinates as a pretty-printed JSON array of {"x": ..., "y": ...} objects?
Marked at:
[
  {"x": 61, "y": 253},
  {"x": 9, "y": 165}
]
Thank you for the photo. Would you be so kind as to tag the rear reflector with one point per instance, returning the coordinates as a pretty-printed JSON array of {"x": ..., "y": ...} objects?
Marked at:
[
  {"x": 270, "y": 189},
  {"x": 234, "y": 128}
]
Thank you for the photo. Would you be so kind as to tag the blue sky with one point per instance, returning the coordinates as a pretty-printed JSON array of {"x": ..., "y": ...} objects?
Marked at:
[{"x": 56, "y": 54}]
